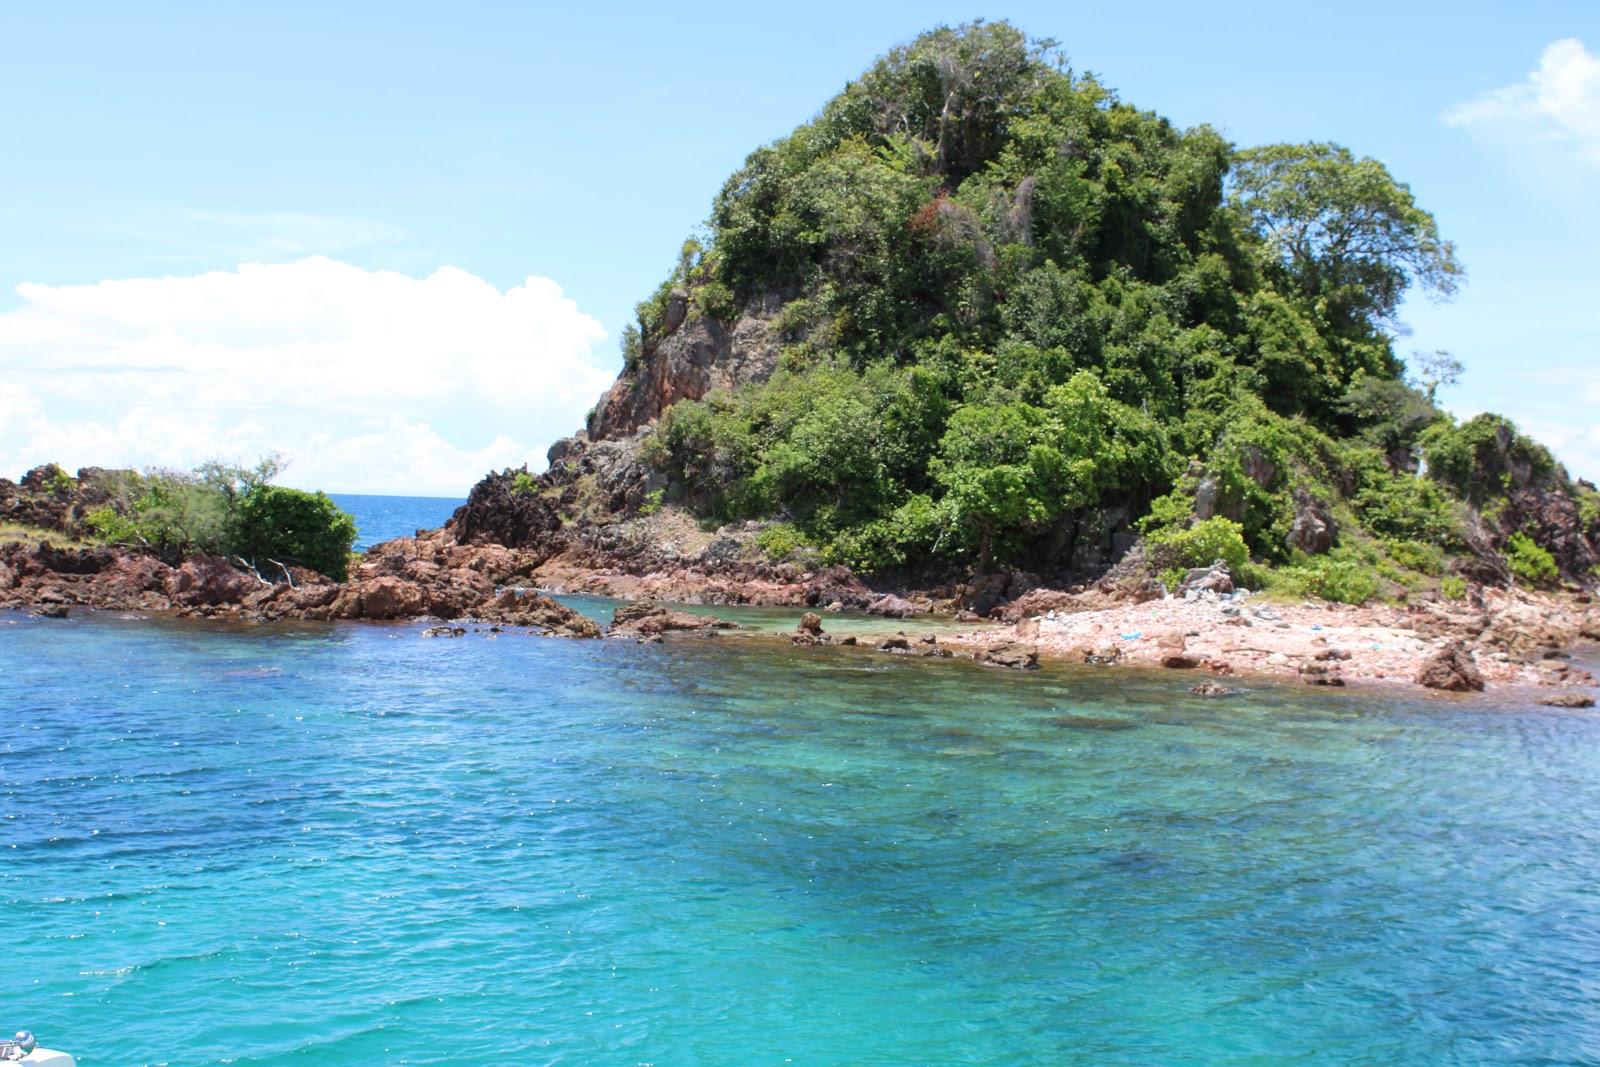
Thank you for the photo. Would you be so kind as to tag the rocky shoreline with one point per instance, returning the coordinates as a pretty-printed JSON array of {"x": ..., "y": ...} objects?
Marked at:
[
  {"x": 1502, "y": 638},
  {"x": 464, "y": 572}
]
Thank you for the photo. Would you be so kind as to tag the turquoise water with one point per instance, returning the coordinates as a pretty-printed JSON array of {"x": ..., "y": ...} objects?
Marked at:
[{"x": 351, "y": 845}]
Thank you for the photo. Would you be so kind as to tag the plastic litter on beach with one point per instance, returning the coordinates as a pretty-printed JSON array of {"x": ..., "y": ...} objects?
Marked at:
[{"x": 1133, "y": 636}]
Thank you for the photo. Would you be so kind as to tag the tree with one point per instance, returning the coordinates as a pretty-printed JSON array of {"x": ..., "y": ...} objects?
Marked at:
[
  {"x": 1435, "y": 370},
  {"x": 279, "y": 525},
  {"x": 1340, "y": 230}
]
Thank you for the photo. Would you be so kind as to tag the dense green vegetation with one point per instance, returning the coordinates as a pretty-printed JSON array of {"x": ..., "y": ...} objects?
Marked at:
[
  {"x": 1018, "y": 311},
  {"x": 230, "y": 511}
]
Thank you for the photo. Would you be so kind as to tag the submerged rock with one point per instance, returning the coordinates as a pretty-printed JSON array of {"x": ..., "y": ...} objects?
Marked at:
[
  {"x": 1010, "y": 654},
  {"x": 1568, "y": 700},
  {"x": 1213, "y": 689},
  {"x": 648, "y": 619}
]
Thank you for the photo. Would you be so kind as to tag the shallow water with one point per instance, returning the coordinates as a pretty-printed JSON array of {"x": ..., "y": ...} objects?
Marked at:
[{"x": 351, "y": 845}]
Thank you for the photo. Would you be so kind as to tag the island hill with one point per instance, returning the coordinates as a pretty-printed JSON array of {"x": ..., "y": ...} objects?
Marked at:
[{"x": 981, "y": 337}]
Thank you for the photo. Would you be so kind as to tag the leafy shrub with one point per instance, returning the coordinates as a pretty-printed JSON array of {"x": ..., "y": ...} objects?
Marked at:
[
  {"x": 1417, "y": 556},
  {"x": 524, "y": 484},
  {"x": 781, "y": 541},
  {"x": 1341, "y": 581},
  {"x": 1174, "y": 551},
  {"x": 227, "y": 510},
  {"x": 1407, "y": 508},
  {"x": 293, "y": 526},
  {"x": 1453, "y": 587},
  {"x": 186, "y": 511},
  {"x": 652, "y": 501},
  {"x": 1484, "y": 457},
  {"x": 1529, "y": 562}
]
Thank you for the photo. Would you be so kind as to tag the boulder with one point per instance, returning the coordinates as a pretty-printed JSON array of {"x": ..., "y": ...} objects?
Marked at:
[
  {"x": 210, "y": 581},
  {"x": 809, "y": 631},
  {"x": 1214, "y": 689},
  {"x": 1009, "y": 654},
  {"x": 1568, "y": 700},
  {"x": 894, "y": 644},
  {"x": 389, "y": 598},
  {"x": 891, "y": 607},
  {"x": 1314, "y": 530},
  {"x": 1452, "y": 669},
  {"x": 649, "y": 619},
  {"x": 1213, "y": 579},
  {"x": 1178, "y": 661}
]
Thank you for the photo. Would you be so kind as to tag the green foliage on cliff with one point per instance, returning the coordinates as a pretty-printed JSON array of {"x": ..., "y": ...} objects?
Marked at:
[
  {"x": 230, "y": 511},
  {"x": 1013, "y": 304}
]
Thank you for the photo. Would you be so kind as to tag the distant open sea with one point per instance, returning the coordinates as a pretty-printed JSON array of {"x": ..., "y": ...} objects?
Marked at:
[
  {"x": 349, "y": 845},
  {"x": 382, "y": 518}
]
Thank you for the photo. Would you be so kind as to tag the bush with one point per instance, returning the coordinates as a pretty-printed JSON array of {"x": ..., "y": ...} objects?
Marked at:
[
  {"x": 523, "y": 484},
  {"x": 1453, "y": 587},
  {"x": 1342, "y": 581},
  {"x": 293, "y": 526},
  {"x": 185, "y": 511},
  {"x": 1529, "y": 562},
  {"x": 781, "y": 541},
  {"x": 1417, "y": 556},
  {"x": 1173, "y": 551}
]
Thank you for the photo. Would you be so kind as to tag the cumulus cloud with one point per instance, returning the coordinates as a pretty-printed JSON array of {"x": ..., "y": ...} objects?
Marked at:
[
  {"x": 1558, "y": 103},
  {"x": 365, "y": 380}
]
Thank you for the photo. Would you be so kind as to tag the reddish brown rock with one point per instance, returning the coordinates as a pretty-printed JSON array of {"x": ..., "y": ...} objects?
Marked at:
[
  {"x": 1010, "y": 654},
  {"x": 1452, "y": 669},
  {"x": 210, "y": 581}
]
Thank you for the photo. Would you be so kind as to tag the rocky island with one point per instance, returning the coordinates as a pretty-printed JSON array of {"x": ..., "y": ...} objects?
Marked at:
[{"x": 982, "y": 339}]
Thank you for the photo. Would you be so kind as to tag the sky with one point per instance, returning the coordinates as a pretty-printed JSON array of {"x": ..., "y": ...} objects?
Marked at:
[{"x": 397, "y": 242}]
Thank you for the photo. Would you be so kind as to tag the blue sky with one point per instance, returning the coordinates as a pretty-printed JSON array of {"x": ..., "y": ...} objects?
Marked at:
[{"x": 150, "y": 150}]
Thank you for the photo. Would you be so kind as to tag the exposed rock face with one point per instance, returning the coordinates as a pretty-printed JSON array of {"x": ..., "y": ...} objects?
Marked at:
[
  {"x": 648, "y": 619},
  {"x": 48, "y": 498},
  {"x": 1314, "y": 530},
  {"x": 689, "y": 361},
  {"x": 1213, "y": 579},
  {"x": 809, "y": 631},
  {"x": 206, "y": 581},
  {"x": 1568, "y": 700},
  {"x": 1451, "y": 669},
  {"x": 505, "y": 510},
  {"x": 520, "y": 607},
  {"x": 892, "y": 607},
  {"x": 1555, "y": 523},
  {"x": 1009, "y": 654}
]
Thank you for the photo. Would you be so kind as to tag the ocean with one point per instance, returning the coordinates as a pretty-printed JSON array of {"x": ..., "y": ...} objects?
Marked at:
[
  {"x": 383, "y": 518},
  {"x": 346, "y": 844}
]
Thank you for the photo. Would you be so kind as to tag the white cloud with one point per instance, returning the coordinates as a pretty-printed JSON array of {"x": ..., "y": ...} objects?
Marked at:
[
  {"x": 1558, "y": 103},
  {"x": 366, "y": 380}
]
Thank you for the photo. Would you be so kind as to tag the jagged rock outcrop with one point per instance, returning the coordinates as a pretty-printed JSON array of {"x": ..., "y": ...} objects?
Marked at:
[
  {"x": 505, "y": 508},
  {"x": 1314, "y": 530},
  {"x": 809, "y": 631},
  {"x": 1451, "y": 669},
  {"x": 1009, "y": 654},
  {"x": 695, "y": 354},
  {"x": 1217, "y": 579},
  {"x": 648, "y": 619}
]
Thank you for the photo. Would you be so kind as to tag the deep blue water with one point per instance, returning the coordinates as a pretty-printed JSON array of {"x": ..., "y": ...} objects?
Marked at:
[
  {"x": 352, "y": 845},
  {"x": 382, "y": 518}
]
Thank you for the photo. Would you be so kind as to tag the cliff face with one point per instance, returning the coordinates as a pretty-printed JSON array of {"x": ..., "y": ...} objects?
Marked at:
[{"x": 695, "y": 355}]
